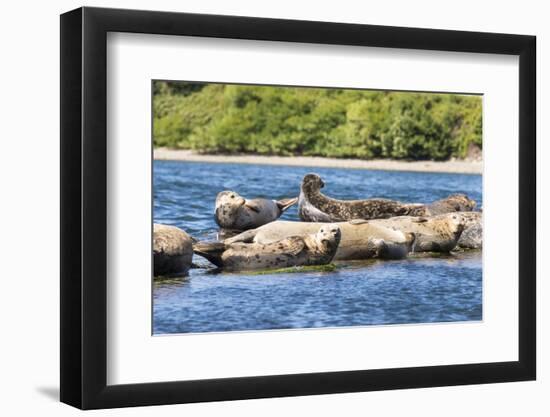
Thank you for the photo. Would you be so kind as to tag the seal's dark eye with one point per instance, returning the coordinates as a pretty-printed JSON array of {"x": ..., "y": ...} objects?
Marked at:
[{"x": 232, "y": 195}]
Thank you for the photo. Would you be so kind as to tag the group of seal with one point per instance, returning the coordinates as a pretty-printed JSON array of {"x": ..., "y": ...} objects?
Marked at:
[
  {"x": 332, "y": 229},
  {"x": 359, "y": 239}
]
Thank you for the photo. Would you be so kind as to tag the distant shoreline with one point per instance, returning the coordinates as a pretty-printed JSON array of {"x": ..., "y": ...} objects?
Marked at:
[{"x": 453, "y": 166}]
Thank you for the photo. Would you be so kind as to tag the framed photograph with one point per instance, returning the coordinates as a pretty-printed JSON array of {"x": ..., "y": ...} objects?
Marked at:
[{"x": 258, "y": 208}]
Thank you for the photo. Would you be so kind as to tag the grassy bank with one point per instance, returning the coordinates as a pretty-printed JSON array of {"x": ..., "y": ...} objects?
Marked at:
[{"x": 336, "y": 123}]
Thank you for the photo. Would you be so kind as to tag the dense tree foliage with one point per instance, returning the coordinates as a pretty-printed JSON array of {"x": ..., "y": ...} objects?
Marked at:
[{"x": 218, "y": 118}]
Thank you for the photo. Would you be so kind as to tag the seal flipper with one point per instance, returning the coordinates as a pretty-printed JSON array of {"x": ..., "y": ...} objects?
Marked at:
[
  {"x": 286, "y": 203},
  {"x": 212, "y": 251},
  {"x": 253, "y": 205},
  {"x": 419, "y": 220},
  {"x": 295, "y": 245},
  {"x": 244, "y": 237},
  {"x": 358, "y": 221}
]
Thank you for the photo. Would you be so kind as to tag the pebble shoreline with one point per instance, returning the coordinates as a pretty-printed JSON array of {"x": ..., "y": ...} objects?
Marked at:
[{"x": 453, "y": 166}]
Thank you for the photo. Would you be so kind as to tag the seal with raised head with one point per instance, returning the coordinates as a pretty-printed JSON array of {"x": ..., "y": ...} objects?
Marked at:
[
  {"x": 314, "y": 206},
  {"x": 312, "y": 249},
  {"x": 234, "y": 212},
  {"x": 360, "y": 239},
  {"x": 172, "y": 251}
]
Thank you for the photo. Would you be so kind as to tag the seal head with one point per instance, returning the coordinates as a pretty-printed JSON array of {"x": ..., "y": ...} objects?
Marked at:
[
  {"x": 228, "y": 204},
  {"x": 312, "y": 183},
  {"x": 328, "y": 238}
]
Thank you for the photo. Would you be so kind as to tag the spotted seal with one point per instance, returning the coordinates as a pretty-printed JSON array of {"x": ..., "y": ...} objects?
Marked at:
[
  {"x": 360, "y": 239},
  {"x": 234, "y": 212},
  {"x": 317, "y": 248},
  {"x": 453, "y": 203},
  {"x": 172, "y": 251},
  {"x": 314, "y": 206},
  {"x": 439, "y": 233},
  {"x": 472, "y": 236}
]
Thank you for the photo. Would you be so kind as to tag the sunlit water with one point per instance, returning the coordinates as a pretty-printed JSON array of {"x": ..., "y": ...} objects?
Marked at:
[{"x": 414, "y": 290}]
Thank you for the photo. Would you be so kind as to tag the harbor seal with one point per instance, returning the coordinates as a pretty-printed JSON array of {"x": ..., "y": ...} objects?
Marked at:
[
  {"x": 314, "y": 206},
  {"x": 234, "y": 212},
  {"x": 317, "y": 248},
  {"x": 472, "y": 236},
  {"x": 172, "y": 251},
  {"x": 453, "y": 203},
  {"x": 360, "y": 239},
  {"x": 433, "y": 234}
]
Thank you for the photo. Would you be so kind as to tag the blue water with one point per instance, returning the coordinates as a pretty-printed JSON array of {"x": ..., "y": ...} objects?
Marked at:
[{"x": 413, "y": 290}]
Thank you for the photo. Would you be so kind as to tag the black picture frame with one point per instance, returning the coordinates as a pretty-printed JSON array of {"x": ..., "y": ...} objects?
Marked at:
[{"x": 84, "y": 207}]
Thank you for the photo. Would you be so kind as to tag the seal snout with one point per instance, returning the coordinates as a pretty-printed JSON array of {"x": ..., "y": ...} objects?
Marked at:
[{"x": 330, "y": 233}]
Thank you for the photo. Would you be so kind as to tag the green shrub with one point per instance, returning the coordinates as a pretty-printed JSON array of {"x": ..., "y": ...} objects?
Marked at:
[{"x": 218, "y": 118}]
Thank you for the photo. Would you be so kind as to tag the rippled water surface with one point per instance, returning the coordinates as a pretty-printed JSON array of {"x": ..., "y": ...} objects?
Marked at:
[{"x": 413, "y": 290}]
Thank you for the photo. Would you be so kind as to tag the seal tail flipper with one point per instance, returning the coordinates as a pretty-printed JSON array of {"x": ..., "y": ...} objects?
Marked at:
[
  {"x": 286, "y": 203},
  {"x": 211, "y": 250}
]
